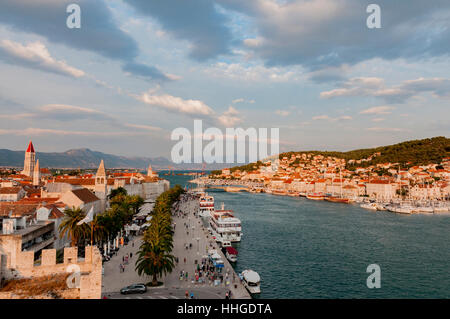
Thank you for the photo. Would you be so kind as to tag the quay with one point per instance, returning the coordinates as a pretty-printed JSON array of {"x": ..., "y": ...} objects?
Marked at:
[{"x": 174, "y": 288}]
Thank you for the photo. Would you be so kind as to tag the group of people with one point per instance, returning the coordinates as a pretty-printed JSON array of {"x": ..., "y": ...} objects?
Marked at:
[
  {"x": 204, "y": 272},
  {"x": 124, "y": 262}
]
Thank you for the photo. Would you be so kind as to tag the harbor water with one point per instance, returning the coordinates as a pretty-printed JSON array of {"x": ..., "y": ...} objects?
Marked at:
[{"x": 317, "y": 249}]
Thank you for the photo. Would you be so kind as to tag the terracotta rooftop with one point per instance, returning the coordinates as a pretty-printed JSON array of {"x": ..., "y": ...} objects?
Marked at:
[
  {"x": 10, "y": 190},
  {"x": 85, "y": 195}
]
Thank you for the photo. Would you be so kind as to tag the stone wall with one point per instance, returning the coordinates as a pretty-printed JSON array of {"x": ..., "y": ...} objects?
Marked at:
[{"x": 90, "y": 268}]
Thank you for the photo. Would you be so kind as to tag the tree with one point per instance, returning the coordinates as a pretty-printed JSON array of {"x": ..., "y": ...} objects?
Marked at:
[
  {"x": 69, "y": 225},
  {"x": 155, "y": 258},
  {"x": 135, "y": 203},
  {"x": 117, "y": 191}
]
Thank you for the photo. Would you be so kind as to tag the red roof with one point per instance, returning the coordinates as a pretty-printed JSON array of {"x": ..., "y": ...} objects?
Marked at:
[{"x": 30, "y": 147}]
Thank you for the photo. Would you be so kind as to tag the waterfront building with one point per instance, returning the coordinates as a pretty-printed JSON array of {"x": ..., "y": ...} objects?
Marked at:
[{"x": 381, "y": 189}]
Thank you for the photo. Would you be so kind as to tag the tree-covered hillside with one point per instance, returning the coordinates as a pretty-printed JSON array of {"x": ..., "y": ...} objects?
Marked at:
[{"x": 416, "y": 152}]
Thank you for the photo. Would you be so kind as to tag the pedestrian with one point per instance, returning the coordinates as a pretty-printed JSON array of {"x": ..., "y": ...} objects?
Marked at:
[
  {"x": 184, "y": 259},
  {"x": 131, "y": 255}
]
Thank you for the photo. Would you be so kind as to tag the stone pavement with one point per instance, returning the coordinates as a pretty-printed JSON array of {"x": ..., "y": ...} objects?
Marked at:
[{"x": 195, "y": 234}]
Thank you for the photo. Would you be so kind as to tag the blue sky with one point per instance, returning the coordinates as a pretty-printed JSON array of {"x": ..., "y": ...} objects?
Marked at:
[{"x": 138, "y": 69}]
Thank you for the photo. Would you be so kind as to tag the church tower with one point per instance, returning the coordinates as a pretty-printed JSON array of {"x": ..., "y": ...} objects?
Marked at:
[
  {"x": 30, "y": 158},
  {"x": 150, "y": 172},
  {"x": 101, "y": 184},
  {"x": 37, "y": 174}
]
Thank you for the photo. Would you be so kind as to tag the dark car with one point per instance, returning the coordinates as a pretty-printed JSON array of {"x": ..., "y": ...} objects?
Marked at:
[{"x": 134, "y": 289}]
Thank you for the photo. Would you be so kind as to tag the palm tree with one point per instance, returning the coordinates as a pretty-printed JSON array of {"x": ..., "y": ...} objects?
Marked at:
[
  {"x": 135, "y": 203},
  {"x": 154, "y": 261},
  {"x": 69, "y": 225},
  {"x": 99, "y": 227},
  {"x": 117, "y": 191}
]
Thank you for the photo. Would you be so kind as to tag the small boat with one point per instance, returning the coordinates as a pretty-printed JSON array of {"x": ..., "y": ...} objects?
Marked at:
[
  {"x": 371, "y": 206},
  {"x": 251, "y": 281},
  {"x": 293, "y": 194},
  {"x": 315, "y": 196},
  {"x": 425, "y": 209},
  {"x": 279, "y": 192},
  {"x": 440, "y": 209},
  {"x": 231, "y": 254},
  {"x": 336, "y": 199},
  {"x": 402, "y": 209}
]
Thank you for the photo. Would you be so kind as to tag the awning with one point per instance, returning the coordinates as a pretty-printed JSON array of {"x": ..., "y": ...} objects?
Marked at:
[{"x": 232, "y": 251}]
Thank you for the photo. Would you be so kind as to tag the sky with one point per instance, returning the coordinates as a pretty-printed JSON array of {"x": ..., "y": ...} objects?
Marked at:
[{"x": 138, "y": 69}]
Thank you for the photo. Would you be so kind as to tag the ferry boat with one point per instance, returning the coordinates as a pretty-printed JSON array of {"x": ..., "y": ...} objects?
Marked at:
[
  {"x": 225, "y": 226},
  {"x": 231, "y": 254},
  {"x": 315, "y": 196},
  {"x": 251, "y": 281},
  {"x": 206, "y": 205}
]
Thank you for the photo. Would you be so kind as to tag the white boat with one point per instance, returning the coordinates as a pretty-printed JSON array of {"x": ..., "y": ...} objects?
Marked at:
[
  {"x": 441, "y": 209},
  {"x": 371, "y": 206},
  {"x": 402, "y": 209},
  {"x": 425, "y": 209},
  {"x": 231, "y": 254},
  {"x": 251, "y": 281},
  {"x": 206, "y": 205},
  {"x": 225, "y": 226}
]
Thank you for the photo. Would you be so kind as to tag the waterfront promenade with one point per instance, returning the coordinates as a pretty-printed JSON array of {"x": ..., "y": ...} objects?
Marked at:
[{"x": 188, "y": 230}]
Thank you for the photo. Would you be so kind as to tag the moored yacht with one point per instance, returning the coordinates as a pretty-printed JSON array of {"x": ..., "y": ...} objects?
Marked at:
[
  {"x": 371, "y": 206},
  {"x": 315, "y": 196},
  {"x": 251, "y": 281}
]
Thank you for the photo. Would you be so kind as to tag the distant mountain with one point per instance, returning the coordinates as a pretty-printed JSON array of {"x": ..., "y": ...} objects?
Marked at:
[
  {"x": 86, "y": 158},
  {"x": 81, "y": 158}
]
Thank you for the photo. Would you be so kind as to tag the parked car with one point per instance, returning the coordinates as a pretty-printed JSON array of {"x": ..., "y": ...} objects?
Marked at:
[{"x": 134, "y": 289}]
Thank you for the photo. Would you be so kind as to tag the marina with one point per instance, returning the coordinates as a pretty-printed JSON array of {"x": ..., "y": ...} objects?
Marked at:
[{"x": 321, "y": 249}]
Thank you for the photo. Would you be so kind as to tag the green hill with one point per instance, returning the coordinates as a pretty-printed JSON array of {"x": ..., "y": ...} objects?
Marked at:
[
  {"x": 410, "y": 153},
  {"x": 416, "y": 152}
]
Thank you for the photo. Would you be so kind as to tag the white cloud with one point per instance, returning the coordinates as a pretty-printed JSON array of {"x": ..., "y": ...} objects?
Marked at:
[
  {"x": 375, "y": 87},
  {"x": 230, "y": 117},
  {"x": 378, "y": 110},
  {"x": 332, "y": 119},
  {"x": 387, "y": 129},
  {"x": 176, "y": 104},
  {"x": 36, "y": 55},
  {"x": 253, "y": 73}
]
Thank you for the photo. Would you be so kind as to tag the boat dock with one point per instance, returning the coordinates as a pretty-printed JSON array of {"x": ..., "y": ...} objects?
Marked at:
[{"x": 196, "y": 234}]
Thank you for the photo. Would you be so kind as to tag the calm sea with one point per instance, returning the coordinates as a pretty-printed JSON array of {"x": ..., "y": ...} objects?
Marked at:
[{"x": 316, "y": 249}]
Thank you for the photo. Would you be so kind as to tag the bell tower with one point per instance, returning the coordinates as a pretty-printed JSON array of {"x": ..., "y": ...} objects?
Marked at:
[
  {"x": 30, "y": 158},
  {"x": 101, "y": 185}
]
